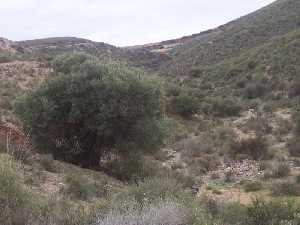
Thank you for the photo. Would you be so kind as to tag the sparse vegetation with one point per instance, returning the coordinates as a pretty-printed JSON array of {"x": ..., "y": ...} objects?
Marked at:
[
  {"x": 254, "y": 147},
  {"x": 225, "y": 151}
]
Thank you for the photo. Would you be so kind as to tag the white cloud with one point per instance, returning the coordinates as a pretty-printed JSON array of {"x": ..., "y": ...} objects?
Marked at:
[{"x": 120, "y": 22}]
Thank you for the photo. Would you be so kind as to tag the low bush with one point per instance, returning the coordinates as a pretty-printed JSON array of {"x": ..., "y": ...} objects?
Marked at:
[
  {"x": 260, "y": 125},
  {"x": 185, "y": 105},
  {"x": 5, "y": 57},
  {"x": 294, "y": 147},
  {"x": 255, "y": 90},
  {"x": 281, "y": 169},
  {"x": 15, "y": 201},
  {"x": 286, "y": 189},
  {"x": 48, "y": 163},
  {"x": 132, "y": 168},
  {"x": 165, "y": 212},
  {"x": 151, "y": 190},
  {"x": 79, "y": 187},
  {"x": 220, "y": 106},
  {"x": 252, "y": 186},
  {"x": 272, "y": 212},
  {"x": 254, "y": 147}
]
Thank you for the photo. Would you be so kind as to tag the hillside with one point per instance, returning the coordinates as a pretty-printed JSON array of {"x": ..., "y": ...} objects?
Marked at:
[
  {"x": 225, "y": 126},
  {"x": 273, "y": 66},
  {"x": 51, "y": 47},
  {"x": 232, "y": 39}
]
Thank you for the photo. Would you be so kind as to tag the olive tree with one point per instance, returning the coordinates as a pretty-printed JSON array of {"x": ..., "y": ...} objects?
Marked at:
[{"x": 92, "y": 109}]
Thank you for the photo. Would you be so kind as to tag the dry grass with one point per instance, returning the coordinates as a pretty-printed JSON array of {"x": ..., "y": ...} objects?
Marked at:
[{"x": 162, "y": 213}]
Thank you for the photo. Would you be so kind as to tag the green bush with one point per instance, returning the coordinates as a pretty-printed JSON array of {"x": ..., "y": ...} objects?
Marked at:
[
  {"x": 152, "y": 190},
  {"x": 69, "y": 63},
  {"x": 296, "y": 120},
  {"x": 99, "y": 108},
  {"x": 273, "y": 212},
  {"x": 15, "y": 200},
  {"x": 220, "y": 106},
  {"x": 286, "y": 189},
  {"x": 233, "y": 213},
  {"x": 281, "y": 169},
  {"x": 132, "y": 168},
  {"x": 294, "y": 146},
  {"x": 252, "y": 186},
  {"x": 48, "y": 163},
  {"x": 79, "y": 187},
  {"x": 255, "y": 90},
  {"x": 185, "y": 105},
  {"x": 5, "y": 57}
]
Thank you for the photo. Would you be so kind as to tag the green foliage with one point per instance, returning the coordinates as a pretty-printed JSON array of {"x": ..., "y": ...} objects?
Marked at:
[
  {"x": 48, "y": 163},
  {"x": 9, "y": 91},
  {"x": 185, "y": 105},
  {"x": 212, "y": 47},
  {"x": 286, "y": 188},
  {"x": 99, "y": 108},
  {"x": 219, "y": 106},
  {"x": 132, "y": 168},
  {"x": 294, "y": 146},
  {"x": 15, "y": 200},
  {"x": 69, "y": 63},
  {"x": 252, "y": 186},
  {"x": 273, "y": 212},
  {"x": 152, "y": 190},
  {"x": 79, "y": 187},
  {"x": 281, "y": 169},
  {"x": 255, "y": 89},
  {"x": 5, "y": 57}
]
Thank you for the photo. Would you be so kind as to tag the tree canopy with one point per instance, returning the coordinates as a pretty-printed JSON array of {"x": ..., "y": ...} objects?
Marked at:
[{"x": 89, "y": 108}]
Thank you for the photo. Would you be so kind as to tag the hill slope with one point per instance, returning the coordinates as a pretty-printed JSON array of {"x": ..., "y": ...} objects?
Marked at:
[
  {"x": 235, "y": 37},
  {"x": 51, "y": 47}
]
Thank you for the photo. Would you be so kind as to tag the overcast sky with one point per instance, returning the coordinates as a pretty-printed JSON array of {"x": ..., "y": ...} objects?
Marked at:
[{"x": 118, "y": 22}]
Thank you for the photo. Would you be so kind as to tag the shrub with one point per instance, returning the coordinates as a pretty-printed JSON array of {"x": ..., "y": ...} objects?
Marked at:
[
  {"x": 69, "y": 63},
  {"x": 132, "y": 168},
  {"x": 79, "y": 187},
  {"x": 9, "y": 91},
  {"x": 185, "y": 105},
  {"x": 252, "y": 186},
  {"x": 255, "y": 147},
  {"x": 294, "y": 147},
  {"x": 255, "y": 90},
  {"x": 286, "y": 189},
  {"x": 272, "y": 212},
  {"x": 151, "y": 190},
  {"x": 296, "y": 120},
  {"x": 5, "y": 57},
  {"x": 233, "y": 213},
  {"x": 48, "y": 163},
  {"x": 298, "y": 179},
  {"x": 164, "y": 212},
  {"x": 259, "y": 124},
  {"x": 15, "y": 201},
  {"x": 80, "y": 116},
  {"x": 220, "y": 106},
  {"x": 281, "y": 169}
]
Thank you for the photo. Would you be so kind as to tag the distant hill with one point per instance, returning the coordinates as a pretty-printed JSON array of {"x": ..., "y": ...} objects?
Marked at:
[{"x": 50, "y": 47}]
